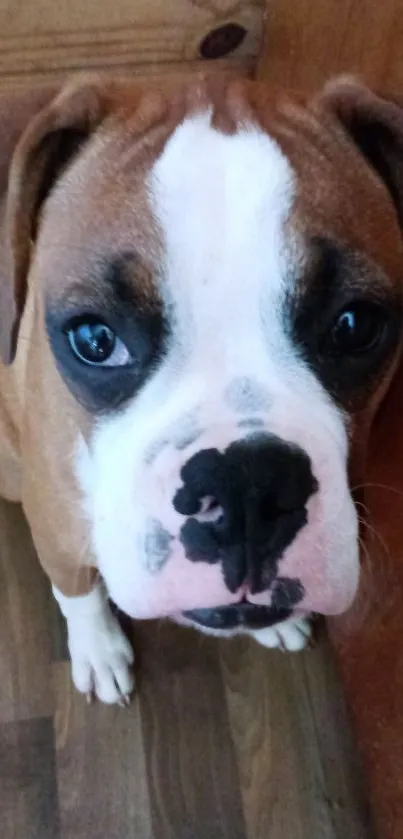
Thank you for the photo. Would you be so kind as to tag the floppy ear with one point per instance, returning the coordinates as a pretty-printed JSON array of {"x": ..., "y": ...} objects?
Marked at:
[
  {"x": 58, "y": 127},
  {"x": 368, "y": 640},
  {"x": 375, "y": 124}
]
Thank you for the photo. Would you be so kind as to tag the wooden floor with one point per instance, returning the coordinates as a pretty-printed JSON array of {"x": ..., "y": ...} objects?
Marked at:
[{"x": 222, "y": 741}]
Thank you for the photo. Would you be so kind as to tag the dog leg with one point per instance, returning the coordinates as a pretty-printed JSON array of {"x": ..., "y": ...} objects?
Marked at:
[{"x": 101, "y": 655}]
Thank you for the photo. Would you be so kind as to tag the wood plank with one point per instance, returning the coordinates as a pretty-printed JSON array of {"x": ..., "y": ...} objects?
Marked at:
[
  {"x": 44, "y": 39},
  {"x": 244, "y": 66},
  {"x": 25, "y": 641},
  {"x": 299, "y": 772},
  {"x": 168, "y": 766},
  {"x": 192, "y": 773},
  {"x": 307, "y": 42},
  {"x": 58, "y": 628},
  {"x": 28, "y": 791},
  {"x": 102, "y": 778}
]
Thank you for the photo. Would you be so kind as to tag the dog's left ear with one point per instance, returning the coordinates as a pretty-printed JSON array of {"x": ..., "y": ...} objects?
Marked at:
[
  {"x": 375, "y": 124},
  {"x": 368, "y": 639},
  {"x": 51, "y": 140}
]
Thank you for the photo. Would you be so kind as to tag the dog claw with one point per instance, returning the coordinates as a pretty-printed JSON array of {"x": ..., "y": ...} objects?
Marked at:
[
  {"x": 124, "y": 700},
  {"x": 281, "y": 644},
  {"x": 89, "y": 698}
]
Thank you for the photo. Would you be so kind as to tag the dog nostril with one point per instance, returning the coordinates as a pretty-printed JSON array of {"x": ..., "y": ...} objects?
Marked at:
[
  {"x": 208, "y": 504},
  {"x": 210, "y": 509}
]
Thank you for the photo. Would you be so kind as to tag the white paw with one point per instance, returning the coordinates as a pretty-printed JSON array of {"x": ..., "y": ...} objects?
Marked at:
[
  {"x": 292, "y": 635},
  {"x": 101, "y": 655}
]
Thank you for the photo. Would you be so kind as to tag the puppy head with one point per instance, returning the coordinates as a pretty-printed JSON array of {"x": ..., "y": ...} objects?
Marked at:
[{"x": 218, "y": 269}]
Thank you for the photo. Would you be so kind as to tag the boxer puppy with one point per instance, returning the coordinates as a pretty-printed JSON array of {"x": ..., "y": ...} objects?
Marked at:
[{"x": 201, "y": 309}]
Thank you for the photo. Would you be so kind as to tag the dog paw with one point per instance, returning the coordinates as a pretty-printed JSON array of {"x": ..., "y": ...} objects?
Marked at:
[
  {"x": 101, "y": 655},
  {"x": 101, "y": 660},
  {"x": 290, "y": 636}
]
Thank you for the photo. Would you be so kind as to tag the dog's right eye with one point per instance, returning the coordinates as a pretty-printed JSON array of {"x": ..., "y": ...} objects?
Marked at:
[
  {"x": 94, "y": 343},
  {"x": 106, "y": 351}
]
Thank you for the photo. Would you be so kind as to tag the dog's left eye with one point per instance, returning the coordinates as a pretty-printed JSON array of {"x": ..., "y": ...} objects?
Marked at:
[
  {"x": 93, "y": 342},
  {"x": 357, "y": 329}
]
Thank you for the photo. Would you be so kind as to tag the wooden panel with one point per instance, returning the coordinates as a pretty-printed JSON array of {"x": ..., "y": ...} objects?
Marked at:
[
  {"x": 25, "y": 642},
  {"x": 243, "y": 66},
  {"x": 101, "y": 770},
  {"x": 291, "y": 731},
  {"x": 45, "y": 39},
  {"x": 192, "y": 771},
  {"x": 222, "y": 739},
  {"x": 28, "y": 790},
  {"x": 309, "y": 40}
]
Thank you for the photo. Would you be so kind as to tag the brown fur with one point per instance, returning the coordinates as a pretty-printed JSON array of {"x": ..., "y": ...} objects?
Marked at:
[
  {"x": 48, "y": 245},
  {"x": 100, "y": 203}
]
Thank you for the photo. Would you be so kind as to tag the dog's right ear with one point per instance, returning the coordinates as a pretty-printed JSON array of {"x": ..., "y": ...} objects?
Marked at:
[
  {"x": 374, "y": 123},
  {"x": 40, "y": 141}
]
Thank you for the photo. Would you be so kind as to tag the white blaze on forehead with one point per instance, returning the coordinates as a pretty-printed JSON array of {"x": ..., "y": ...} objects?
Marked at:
[{"x": 222, "y": 200}]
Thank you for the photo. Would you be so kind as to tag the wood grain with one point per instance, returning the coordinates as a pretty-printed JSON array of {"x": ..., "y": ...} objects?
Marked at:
[
  {"x": 28, "y": 784},
  {"x": 46, "y": 40},
  {"x": 25, "y": 637},
  {"x": 101, "y": 767},
  {"x": 190, "y": 756},
  {"x": 239, "y": 66},
  {"x": 308, "y": 41},
  {"x": 292, "y": 739},
  {"x": 223, "y": 739}
]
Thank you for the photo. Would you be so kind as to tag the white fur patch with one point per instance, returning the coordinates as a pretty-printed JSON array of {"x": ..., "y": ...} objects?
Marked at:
[
  {"x": 290, "y": 636},
  {"x": 101, "y": 655},
  {"x": 222, "y": 203}
]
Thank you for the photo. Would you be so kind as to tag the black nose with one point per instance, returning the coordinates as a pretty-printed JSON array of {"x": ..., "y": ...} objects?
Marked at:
[{"x": 244, "y": 507}]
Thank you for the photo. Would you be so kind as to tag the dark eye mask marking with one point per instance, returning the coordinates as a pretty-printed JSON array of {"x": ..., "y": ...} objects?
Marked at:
[
  {"x": 115, "y": 290},
  {"x": 158, "y": 546},
  {"x": 244, "y": 394}
]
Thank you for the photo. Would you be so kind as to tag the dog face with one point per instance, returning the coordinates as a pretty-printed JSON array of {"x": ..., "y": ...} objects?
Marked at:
[{"x": 219, "y": 278}]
